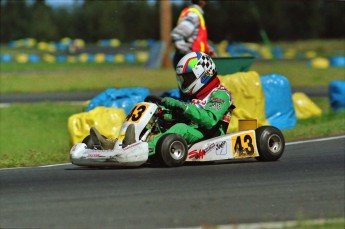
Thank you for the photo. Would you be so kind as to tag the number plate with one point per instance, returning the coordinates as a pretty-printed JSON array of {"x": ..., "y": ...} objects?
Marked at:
[
  {"x": 244, "y": 145},
  {"x": 137, "y": 112}
]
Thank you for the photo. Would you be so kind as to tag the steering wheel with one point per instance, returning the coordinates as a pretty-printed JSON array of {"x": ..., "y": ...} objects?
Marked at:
[
  {"x": 153, "y": 99},
  {"x": 178, "y": 116}
]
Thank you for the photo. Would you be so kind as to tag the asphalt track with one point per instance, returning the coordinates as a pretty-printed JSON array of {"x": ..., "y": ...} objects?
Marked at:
[{"x": 306, "y": 183}]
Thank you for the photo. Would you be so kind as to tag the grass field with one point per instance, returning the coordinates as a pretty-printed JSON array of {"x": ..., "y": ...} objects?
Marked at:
[
  {"x": 35, "y": 134},
  {"x": 27, "y": 78}
]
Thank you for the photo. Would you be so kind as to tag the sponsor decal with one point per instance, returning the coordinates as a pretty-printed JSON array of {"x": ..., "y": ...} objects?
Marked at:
[
  {"x": 205, "y": 78},
  {"x": 210, "y": 147},
  {"x": 202, "y": 103},
  {"x": 221, "y": 148},
  {"x": 200, "y": 153},
  {"x": 91, "y": 155},
  {"x": 216, "y": 106},
  {"x": 219, "y": 100},
  {"x": 197, "y": 154}
]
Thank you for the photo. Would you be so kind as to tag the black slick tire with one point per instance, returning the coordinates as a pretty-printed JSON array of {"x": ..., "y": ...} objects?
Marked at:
[
  {"x": 270, "y": 142},
  {"x": 171, "y": 150}
]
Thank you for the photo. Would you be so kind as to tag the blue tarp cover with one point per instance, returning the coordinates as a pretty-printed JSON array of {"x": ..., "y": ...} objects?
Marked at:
[
  {"x": 119, "y": 98},
  {"x": 279, "y": 106},
  {"x": 173, "y": 93}
]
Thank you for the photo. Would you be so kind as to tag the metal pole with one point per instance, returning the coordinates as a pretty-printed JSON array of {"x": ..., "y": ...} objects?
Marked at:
[{"x": 165, "y": 29}]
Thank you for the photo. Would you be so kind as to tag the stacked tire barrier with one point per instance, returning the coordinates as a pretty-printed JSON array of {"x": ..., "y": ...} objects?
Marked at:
[
  {"x": 321, "y": 62},
  {"x": 279, "y": 107},
  {"x": 304, "y": 107},
  {"x": 135, "y": 57},
  {"x": 249, "y": 98},
  {"x": 337, "y": 94},
  {"x": 267, "y": 99},
  {"x": 139, "y": 52}
]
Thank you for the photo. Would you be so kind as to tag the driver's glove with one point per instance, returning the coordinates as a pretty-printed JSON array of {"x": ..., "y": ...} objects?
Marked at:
[{"x": 173, "y": 103}]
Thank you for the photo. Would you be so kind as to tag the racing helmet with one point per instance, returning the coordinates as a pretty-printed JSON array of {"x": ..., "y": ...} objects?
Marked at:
[{"x": 195, "y": 70}]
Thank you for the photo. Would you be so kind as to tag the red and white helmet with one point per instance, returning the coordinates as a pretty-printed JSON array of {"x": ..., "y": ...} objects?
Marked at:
[{"x": 193, "y": 71}]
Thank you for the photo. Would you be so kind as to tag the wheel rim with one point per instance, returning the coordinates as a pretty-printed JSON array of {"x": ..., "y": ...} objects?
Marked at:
[
  {"x": 177, "y": 150},
  {"x": 274, "y": 143}
]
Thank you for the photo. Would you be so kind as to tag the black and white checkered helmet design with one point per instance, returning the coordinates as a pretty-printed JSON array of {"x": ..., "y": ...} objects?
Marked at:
[
  {"x": 208, "y": 65},
  {"x": 194, "y": 71}
]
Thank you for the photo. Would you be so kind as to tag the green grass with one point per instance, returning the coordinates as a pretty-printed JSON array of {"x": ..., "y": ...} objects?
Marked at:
[
  {"x": 314, "y": 224},
  {"x": 36, "y": 134},
  {"x": 324, "y": 48},
  {"x": 330, "y": 123},
  {"x": 14, "y": 51},
  {"x": 322, "y": 226},
  {"x": 26, "y": 78}
]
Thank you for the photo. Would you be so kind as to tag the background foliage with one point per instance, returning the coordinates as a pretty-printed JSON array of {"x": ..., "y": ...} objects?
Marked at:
[{"x": 130, "y": 20}]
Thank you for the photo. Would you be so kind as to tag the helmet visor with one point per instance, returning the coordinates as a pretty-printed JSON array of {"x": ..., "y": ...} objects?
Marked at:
[{"x": 186, "y": 79}]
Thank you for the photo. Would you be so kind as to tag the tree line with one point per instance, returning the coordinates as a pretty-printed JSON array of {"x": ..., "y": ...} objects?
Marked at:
[{"x": 131, "y": 20}]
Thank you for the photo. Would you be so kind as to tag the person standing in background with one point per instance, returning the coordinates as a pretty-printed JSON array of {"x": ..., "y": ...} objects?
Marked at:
[{"x": 190, "y": 33}]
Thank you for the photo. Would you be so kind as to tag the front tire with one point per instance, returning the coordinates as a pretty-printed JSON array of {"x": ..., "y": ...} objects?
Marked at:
[
  {"x": 172, "y": 150},
  {"x": 270, "y": 142}
]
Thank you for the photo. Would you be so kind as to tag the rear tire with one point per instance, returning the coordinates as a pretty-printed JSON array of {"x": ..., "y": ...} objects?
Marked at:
[
  {"x": 270, "y": 142},
  {"x": 171, "y": 150}
]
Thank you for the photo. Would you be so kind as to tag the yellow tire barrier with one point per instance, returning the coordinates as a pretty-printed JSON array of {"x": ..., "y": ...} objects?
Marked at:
[
  {"x": 320, "y": 62},
  {"x": 107, "y": 120},
  {"x": 305, "y": 107},
  {"x": 22, "y": 58},
  {"x": 99, "y": 58},
  {"x": 249, "y": 98}
]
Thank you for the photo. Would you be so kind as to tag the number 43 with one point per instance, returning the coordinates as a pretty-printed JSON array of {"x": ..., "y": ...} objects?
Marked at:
[{"x": 244, "y": 146}]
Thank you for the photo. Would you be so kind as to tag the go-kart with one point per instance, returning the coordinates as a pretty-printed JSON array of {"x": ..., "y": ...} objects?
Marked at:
[{"x": 265, "y": 143}]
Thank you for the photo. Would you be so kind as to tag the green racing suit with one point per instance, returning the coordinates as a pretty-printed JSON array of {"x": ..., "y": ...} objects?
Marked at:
[{"x": 204, "y": 115}]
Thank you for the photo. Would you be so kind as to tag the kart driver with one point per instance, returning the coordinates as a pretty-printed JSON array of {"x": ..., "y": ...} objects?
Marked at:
[
  {"x": 209, "y": 104},
  {"x": 208, "y": 108}
]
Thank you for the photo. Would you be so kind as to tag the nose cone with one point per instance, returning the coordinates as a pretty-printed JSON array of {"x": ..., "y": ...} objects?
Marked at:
[{"x": 77, "y": 151}]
